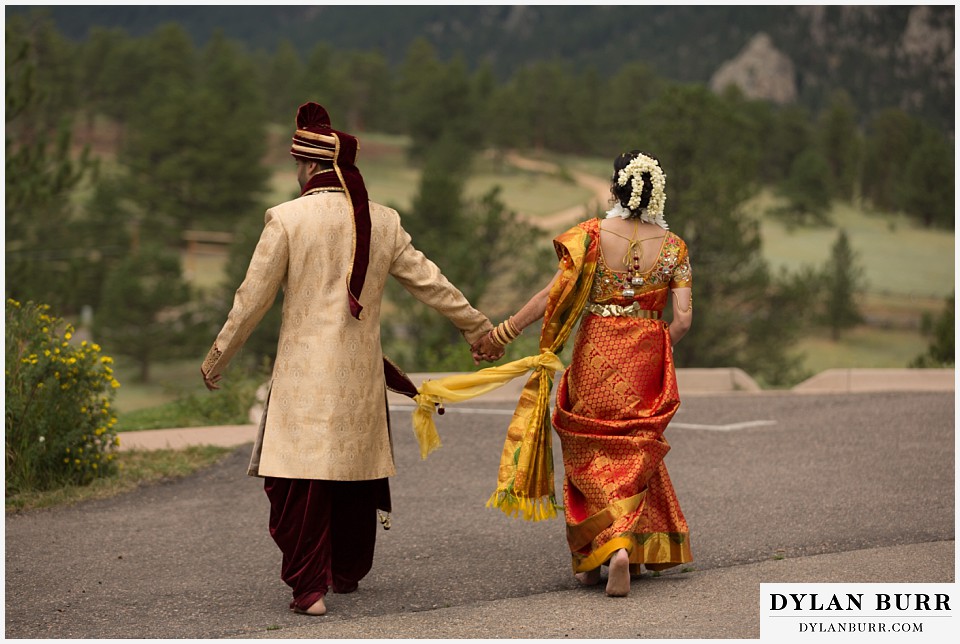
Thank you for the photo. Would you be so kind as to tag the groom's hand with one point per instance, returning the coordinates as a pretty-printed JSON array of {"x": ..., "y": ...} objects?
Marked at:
[{"x": 486, "y": 349}]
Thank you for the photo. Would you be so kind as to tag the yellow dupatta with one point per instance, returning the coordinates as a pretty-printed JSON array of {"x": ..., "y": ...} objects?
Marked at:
[{"x": 525, "y": 478}]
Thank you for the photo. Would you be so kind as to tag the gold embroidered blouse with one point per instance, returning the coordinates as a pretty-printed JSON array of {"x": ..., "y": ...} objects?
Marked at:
[{"x": 671, "y": 270}]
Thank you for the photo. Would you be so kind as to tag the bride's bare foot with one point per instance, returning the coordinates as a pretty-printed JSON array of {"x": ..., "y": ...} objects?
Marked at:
[
  {"x": 618, "y": 580},
  {"x": 589, "y": 578},
  {"x": 318, "y": 608}
]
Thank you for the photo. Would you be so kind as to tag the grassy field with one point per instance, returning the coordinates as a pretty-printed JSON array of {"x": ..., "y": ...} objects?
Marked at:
[
  {"x": 901, "y": 260},
  {"x": 862, "y": 347},
  {"x": 168, "y": 382}
]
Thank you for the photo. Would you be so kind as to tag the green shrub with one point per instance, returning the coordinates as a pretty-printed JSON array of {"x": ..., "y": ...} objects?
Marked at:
[
  {"x": 229, "y": 405},
  {"x": 59, "y": 424}
]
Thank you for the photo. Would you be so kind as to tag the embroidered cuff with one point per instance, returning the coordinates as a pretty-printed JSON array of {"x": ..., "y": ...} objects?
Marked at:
[{"x": 213, "y": 357}]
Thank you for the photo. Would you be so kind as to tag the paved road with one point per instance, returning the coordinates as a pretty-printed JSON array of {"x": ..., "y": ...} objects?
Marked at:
[{"x": 853, "y": 488}]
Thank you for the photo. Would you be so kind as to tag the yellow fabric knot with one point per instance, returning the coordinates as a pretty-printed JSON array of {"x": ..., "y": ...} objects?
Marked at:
[{"x": 460, "y": 387}]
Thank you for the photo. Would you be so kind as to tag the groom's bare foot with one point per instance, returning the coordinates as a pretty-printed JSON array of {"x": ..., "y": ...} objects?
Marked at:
[
  {"x": 618, "y": 580},
  {"x": 316, "y": 609},
  {"x": 589, "y": 578}
]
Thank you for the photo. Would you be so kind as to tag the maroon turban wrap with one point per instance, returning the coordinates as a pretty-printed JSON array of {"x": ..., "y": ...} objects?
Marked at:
[{"x": 315, "y": 140}]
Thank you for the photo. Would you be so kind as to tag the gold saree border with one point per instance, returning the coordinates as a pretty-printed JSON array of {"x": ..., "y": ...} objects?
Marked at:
[
  {"x": 655, "y": 550},
  {"x": 581, "y": 534}
]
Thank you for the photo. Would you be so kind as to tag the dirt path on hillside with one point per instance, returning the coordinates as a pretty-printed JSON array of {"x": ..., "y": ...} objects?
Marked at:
[{"x": 555, "y": 221}]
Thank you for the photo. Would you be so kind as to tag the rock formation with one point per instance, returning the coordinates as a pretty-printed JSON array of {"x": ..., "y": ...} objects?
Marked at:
[{"x": 760, "y": 71}]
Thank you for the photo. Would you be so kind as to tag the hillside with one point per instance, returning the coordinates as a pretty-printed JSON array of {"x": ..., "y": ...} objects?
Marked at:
[{"x": 884, "y": 56}]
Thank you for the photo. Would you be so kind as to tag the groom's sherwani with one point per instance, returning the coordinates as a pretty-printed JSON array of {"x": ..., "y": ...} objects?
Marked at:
[{"x": 326, "y": 413}]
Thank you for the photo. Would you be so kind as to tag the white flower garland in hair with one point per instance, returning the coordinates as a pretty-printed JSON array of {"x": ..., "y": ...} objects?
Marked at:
[{"x": 653, "y": 213}]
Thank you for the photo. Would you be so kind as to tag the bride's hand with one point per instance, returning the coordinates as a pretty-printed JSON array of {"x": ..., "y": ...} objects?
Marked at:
[{"x": 486, "y": 349}]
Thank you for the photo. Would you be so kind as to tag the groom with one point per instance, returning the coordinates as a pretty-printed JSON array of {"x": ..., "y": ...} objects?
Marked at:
[{"x": 323, "y": 447}]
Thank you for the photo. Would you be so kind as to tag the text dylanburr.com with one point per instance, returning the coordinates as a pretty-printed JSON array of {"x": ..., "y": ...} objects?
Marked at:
[{"x": 857, "y": 612}]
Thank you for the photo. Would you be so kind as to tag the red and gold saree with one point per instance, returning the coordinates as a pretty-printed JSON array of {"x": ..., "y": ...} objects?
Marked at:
[{"x": 613, "y": 404}]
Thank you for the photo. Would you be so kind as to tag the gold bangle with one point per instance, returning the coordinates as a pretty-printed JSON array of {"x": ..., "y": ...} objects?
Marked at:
[{"x": 503, "y": 335}]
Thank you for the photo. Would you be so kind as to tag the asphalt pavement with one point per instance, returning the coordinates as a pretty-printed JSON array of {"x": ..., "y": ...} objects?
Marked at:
[{"x": 776, "y": 487}]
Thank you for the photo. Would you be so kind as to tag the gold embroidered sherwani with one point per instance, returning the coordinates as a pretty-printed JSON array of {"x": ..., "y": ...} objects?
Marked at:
[{"x": 326, "y": 411}]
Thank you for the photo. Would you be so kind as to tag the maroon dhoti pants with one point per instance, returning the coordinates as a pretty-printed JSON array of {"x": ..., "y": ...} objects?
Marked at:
[{"x": 326, "y": 531}]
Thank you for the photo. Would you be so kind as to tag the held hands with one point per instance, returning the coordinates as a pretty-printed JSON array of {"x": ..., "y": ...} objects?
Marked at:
[
  {"x": 486, "y": 348},
  {"x": 491, "y": 346}
]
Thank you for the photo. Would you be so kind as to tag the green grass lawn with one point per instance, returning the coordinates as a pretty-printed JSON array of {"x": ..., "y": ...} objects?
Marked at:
[
  {"x": 528, "y": 193},
  {"x": 863, "y": 347},
  {"x": 899, "y": 257},
  {"x": 169, "y": 381}
]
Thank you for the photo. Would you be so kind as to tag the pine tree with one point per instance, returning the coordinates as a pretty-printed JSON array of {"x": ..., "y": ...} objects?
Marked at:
[
  {"x": 807, "y": 190},
  {"x": 941, "y": 351},
  {"x": 438, "y": 101},
  {"x": 196, "y": 142},
  {"x": 928, "y": 182},
  {"x": 363, "y": 83},
  {"x": 791, "y": 133},
  {"x": 41, "y": 172},
  {"x": 843, "y": 279},
  {"x": 284, "y": 83},
  {"x": 620, "y": 107},
  {"x": 840, "y": 143},
  {"x": 891, "y": 139},
  {"x": 141, "y": 314}
]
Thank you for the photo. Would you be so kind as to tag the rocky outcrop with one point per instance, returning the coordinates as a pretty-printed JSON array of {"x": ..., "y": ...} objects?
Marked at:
[
  {"x": 927, "y": 43},
  {"x": 760, "y": 71}
]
